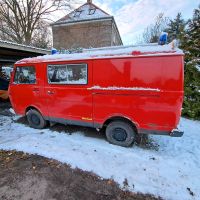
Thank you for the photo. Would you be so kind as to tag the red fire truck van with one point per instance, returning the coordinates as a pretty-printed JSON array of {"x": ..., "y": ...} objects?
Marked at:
[{"x": 127, "y": 90}]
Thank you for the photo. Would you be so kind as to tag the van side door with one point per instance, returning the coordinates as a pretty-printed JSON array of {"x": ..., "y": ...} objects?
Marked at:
[{"x": 69, "y": 100}]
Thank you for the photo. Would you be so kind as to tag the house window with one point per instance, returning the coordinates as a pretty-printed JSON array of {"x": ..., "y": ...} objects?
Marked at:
[
  {"x": 92, "y": 11},
  {"x": 77, "y": 13},
  {"x": 72, "y": 74},
  {"x": 25, "y": 75}
]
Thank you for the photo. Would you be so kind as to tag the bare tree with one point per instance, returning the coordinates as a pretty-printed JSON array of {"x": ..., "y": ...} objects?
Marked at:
[
  {"x": 153, "y": 31},
  {"x": 42, "y": 36},
  {"x": 21, "y": 20}
]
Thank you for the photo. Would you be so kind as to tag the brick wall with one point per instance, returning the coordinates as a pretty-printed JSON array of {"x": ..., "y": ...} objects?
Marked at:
[{"x": 85, "y": 35}]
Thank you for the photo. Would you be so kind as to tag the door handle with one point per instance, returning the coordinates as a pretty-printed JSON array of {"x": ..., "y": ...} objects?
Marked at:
[
  {"x": 35, "y": 89},
  {"x": 50, "y": 92}
]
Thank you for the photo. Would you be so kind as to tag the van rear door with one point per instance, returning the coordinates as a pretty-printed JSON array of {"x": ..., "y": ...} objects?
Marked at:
[{"x": 68, "y": 98}]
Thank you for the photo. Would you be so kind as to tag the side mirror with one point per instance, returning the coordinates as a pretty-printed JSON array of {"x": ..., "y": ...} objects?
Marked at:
[{"x": 11, "y": 76}]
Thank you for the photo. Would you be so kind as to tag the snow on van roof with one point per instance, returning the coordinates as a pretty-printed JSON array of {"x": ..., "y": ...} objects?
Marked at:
[{"x": 109, "y": 52}]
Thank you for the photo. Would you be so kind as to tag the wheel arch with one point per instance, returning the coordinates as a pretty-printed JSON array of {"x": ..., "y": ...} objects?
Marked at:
[
  {"x": 33, "y": 108},
  {"x": 121, "y": 118}
]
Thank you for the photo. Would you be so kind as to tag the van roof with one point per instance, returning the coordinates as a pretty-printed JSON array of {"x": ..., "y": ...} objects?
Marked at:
[{"x": 109, "y": 52}]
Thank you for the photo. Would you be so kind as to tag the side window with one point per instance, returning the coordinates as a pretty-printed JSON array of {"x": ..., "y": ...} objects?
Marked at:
[
  {"x": 68, "y": 74},
  {"x": 25, "y": 75}
]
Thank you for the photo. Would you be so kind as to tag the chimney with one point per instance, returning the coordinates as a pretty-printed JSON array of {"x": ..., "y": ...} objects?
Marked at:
[{"x": 89, "y": 1}]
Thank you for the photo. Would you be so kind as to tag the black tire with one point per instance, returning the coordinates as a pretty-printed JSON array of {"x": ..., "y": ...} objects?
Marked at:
[
  {"x": 35, "y": 119},
  {"x": 120, "y": 133}
]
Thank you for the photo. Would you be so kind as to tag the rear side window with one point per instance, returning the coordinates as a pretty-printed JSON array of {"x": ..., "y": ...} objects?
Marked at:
[
  {"x": 25, "y": 75},
  {"x": 75, "y": 74}
]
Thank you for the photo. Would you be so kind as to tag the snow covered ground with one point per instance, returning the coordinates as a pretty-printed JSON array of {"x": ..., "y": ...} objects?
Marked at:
[{"x": 172, "y": 171}]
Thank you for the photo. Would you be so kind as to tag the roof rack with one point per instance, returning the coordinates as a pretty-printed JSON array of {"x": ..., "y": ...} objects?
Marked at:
[{"x": 118, "y": 47}]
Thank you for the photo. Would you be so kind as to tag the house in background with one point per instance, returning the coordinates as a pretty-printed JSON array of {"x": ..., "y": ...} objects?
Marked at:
[{"x": 88, "y": 26}]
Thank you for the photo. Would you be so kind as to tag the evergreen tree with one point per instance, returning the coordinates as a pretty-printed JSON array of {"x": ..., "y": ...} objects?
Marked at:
[
  {"x": 191, "y": 47},
  {"x": 176, "y": 28}
]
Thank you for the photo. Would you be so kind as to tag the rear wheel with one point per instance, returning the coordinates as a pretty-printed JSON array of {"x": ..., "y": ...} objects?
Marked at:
[
  {"x": 120, "y": 133},
  {"x": 35, "y": 119}
]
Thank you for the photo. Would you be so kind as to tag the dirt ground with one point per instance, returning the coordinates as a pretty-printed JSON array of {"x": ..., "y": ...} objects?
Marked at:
[{"x": 32, "y": 177}]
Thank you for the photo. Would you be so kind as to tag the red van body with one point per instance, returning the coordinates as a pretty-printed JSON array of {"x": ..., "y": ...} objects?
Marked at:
[{"x": 142, "y": 87}]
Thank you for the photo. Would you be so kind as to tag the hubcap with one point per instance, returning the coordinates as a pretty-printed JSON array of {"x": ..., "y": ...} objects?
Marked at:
[
  {"x": 35, "y": 119},
  {"x": 119, "y": 134}
]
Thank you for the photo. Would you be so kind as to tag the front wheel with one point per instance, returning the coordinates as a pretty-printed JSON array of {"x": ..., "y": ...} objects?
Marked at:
[
  {"x": 120, "y": 133},
  {"x": 35, "y": 119}
]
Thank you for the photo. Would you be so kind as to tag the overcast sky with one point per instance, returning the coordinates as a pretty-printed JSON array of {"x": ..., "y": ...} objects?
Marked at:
[{"x": 132, "y": 16}]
